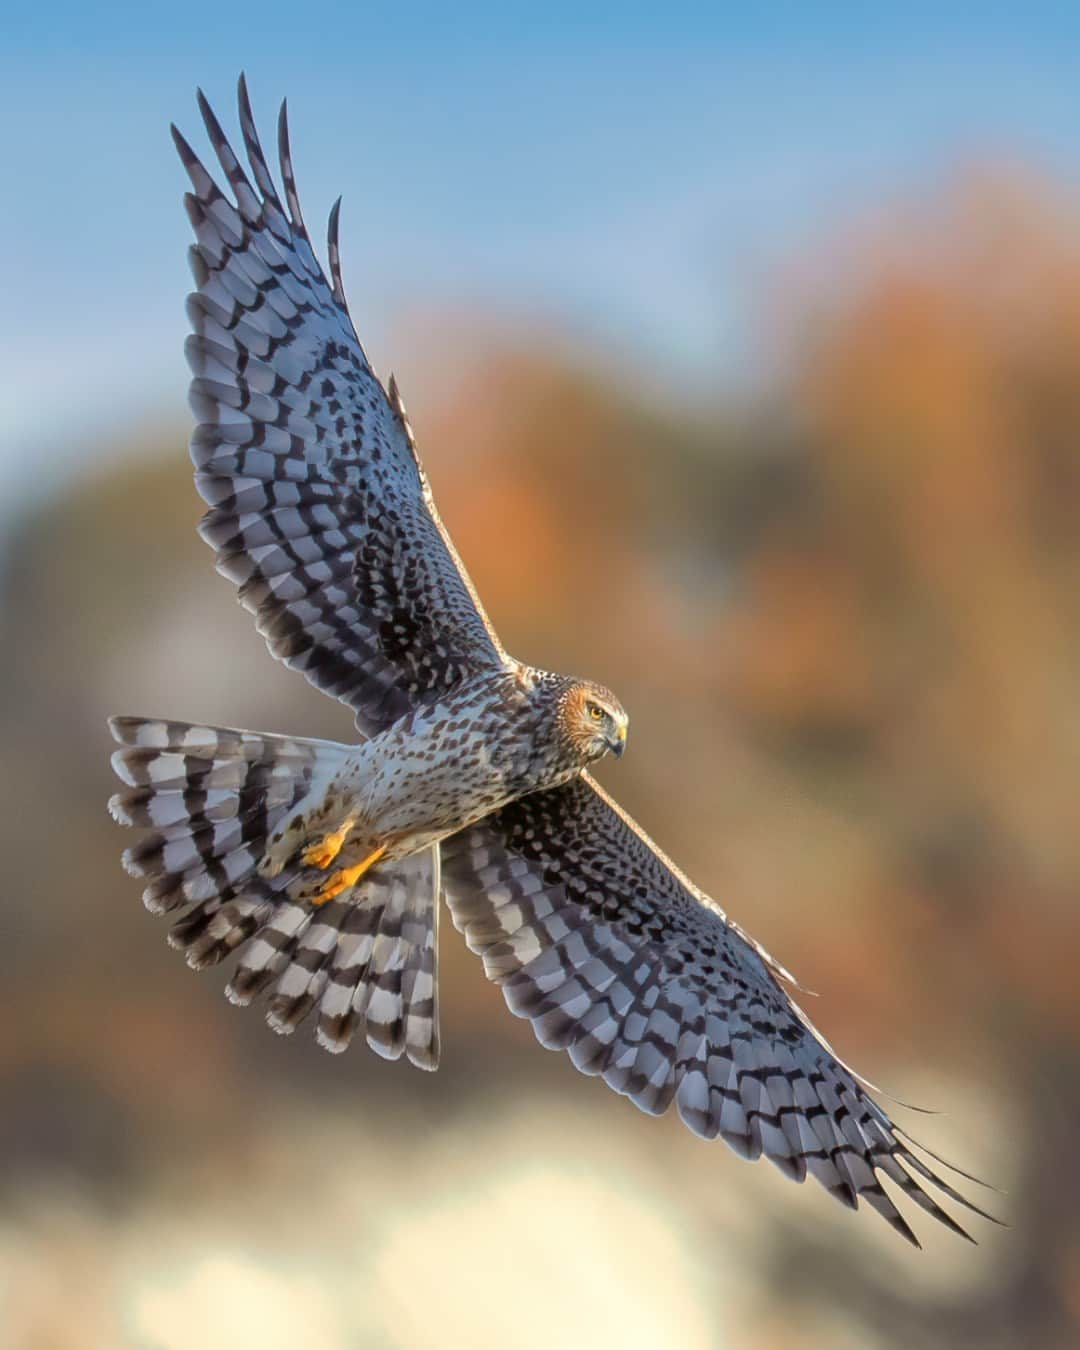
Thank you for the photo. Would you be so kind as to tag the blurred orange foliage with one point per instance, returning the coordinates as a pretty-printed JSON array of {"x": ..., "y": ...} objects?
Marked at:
[{"x": 846, "y": 626}]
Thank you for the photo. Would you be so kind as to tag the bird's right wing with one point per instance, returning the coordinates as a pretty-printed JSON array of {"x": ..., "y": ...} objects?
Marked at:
[
  {"x": 319, "y": 507},
  {"x": 614, "y": 956}
]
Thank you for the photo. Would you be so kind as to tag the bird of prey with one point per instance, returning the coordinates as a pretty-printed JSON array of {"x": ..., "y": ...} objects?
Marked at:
[{"x": 321, "y": 865}]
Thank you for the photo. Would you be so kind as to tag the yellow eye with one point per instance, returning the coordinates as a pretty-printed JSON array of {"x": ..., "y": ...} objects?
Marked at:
[{"x": 596, "y": 712}]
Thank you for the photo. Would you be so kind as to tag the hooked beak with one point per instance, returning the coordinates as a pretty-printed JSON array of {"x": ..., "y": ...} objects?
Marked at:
[{"x": 617, "y": 743}]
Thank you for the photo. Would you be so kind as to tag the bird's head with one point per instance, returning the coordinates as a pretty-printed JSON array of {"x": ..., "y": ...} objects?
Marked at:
[{"x": 593, "y": 721}]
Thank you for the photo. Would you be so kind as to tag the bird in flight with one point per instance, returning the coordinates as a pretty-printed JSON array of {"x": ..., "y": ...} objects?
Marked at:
[{"x": 321, "y": 865}]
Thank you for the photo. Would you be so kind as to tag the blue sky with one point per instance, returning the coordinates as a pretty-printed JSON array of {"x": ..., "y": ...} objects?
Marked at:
[{"x": 618, "y": 175}]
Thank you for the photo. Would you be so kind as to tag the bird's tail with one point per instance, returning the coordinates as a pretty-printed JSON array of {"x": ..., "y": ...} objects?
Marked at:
[{"x": 211, "y": 797}]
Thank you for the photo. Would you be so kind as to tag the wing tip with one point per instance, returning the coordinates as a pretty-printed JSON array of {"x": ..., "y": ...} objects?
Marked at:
[
  {"x": 334, "y": 251},
  {"x": 288, "y": 175},
  {"x": 180, "y": 141}
]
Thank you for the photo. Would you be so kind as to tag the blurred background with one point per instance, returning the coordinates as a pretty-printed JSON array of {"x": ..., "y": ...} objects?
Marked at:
[{"x": 745, "y": 359}]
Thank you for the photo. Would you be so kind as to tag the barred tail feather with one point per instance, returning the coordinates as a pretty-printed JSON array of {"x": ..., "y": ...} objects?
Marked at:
[
  {"x": 383, "y": 972},
  {"x": 211, "y": 797}
]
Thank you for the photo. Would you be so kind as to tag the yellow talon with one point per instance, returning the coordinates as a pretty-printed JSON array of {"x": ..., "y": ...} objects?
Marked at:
[
  {"x": 323, "y": 851},
  {"x": 345, "y": 877}
]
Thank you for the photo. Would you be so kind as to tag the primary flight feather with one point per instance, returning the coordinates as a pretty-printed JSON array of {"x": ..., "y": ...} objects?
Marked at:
[{"x": 321, "y": 865}]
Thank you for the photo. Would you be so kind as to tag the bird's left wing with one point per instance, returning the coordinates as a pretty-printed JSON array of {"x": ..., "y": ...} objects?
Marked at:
[
  {"x": 319, "y": 507},
  {"x": 615, "y": 957}
]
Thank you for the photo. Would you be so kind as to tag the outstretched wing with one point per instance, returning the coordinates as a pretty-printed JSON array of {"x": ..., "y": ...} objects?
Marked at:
[
  {"x": 617, "y": 958},
  {"x": 319, "y": 507}
]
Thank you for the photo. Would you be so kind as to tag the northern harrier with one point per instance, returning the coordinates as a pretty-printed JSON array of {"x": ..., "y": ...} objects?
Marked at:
[{"x": 321, "y": 864}]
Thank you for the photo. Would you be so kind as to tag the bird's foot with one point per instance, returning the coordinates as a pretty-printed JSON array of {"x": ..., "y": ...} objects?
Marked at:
[
  {"x": 345, "y": 877},
  {"x": 322, "y": 852}
]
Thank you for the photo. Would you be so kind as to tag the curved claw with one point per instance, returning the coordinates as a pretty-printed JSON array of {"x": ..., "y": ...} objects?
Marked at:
[
  {"x": 322, "y": 852},
  {"x": 345, "y": 877}
]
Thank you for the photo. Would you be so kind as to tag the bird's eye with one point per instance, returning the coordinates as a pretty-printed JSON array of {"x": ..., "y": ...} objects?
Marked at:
[{"x": 596, "y": 712}]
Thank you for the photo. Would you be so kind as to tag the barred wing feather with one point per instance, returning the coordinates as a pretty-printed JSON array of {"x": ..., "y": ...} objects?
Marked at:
[
  {"x": 615, "y": 957},
  {"x": 319, "y": 508}
]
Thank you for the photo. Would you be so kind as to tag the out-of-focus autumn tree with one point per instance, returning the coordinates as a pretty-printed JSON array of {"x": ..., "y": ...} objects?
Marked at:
[
  {"x": 917, "y": 611},
  {"x": 846, "y": 625}
]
